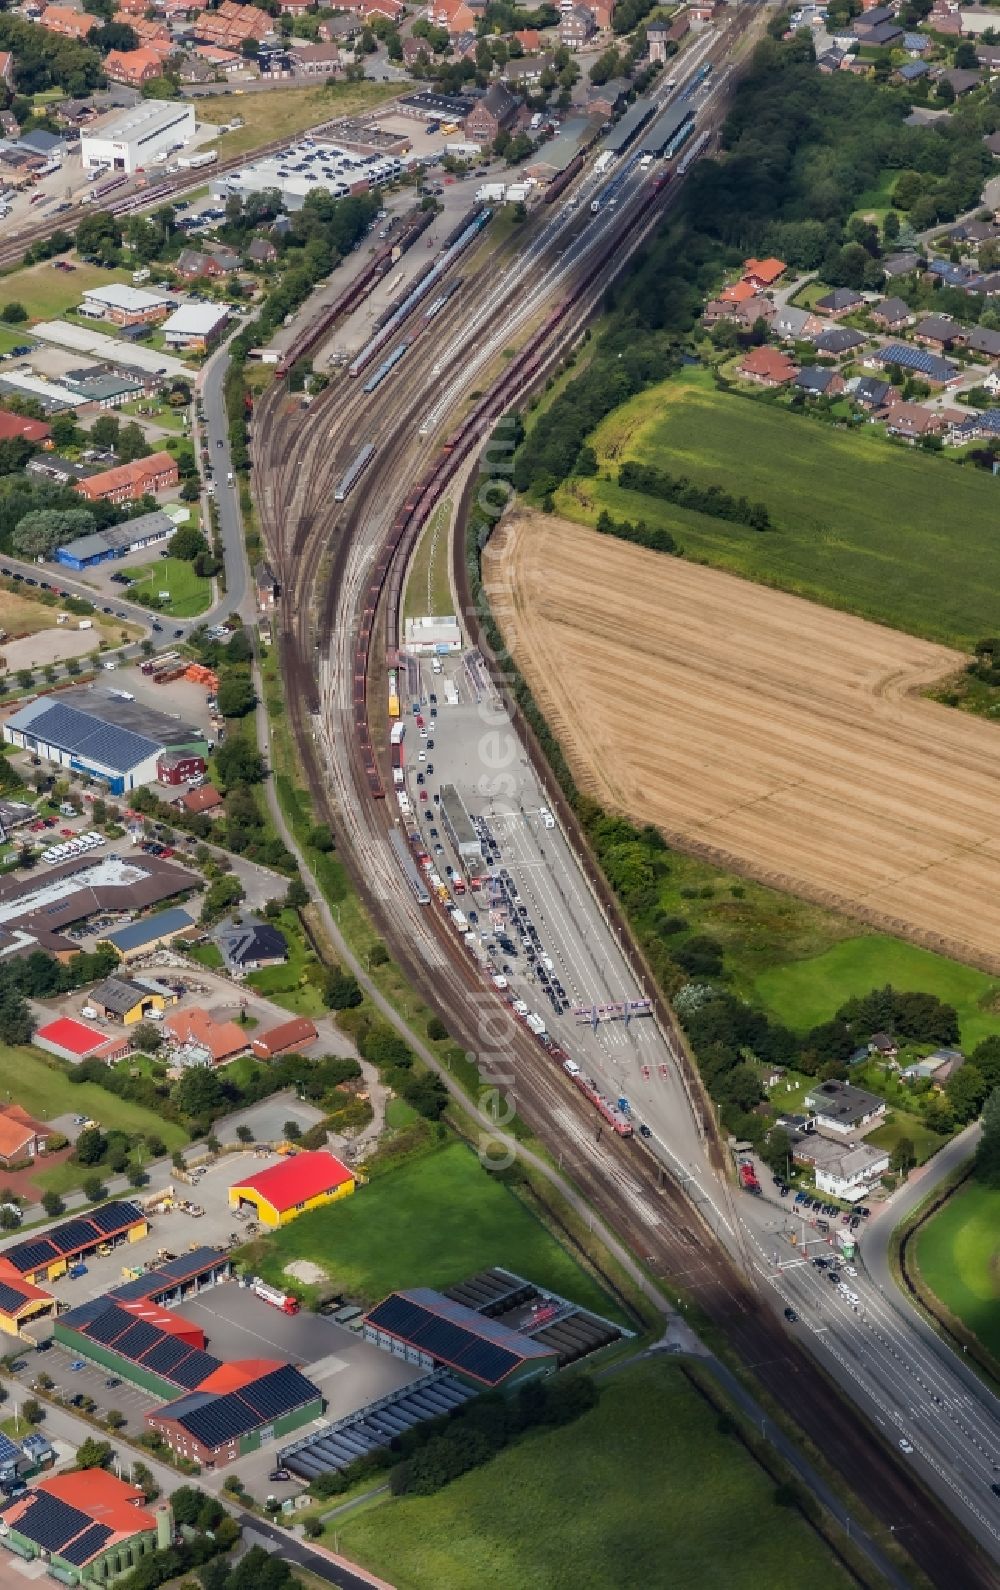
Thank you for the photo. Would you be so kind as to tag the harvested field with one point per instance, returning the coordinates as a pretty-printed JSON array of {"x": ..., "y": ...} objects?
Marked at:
[{"x": 777, "y": 737}]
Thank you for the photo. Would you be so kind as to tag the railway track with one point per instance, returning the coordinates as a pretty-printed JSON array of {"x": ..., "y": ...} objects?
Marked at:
[{"x": 341, "y": 570}]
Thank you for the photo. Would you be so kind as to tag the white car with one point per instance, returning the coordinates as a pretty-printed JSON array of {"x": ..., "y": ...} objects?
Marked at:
[
  {"x": 851, "y": 1271},
  {"x": 904, "y": 1445},
  {"x": 421, "y": 756},
  {"x": 547, "y": 818}
]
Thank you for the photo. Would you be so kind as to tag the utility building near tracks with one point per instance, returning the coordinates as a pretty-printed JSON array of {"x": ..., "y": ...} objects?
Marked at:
[{"x": 458, "y": 825}]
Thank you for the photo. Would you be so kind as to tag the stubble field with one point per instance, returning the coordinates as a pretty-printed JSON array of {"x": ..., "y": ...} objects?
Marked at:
[{"x": 765, "y": 732}]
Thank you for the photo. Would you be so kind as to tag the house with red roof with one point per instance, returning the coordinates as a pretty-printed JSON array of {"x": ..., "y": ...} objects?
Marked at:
[
  {"x": 286, "y": 1190},
  {"x": 21, "y": 1137},
  {"x": 763, "y": 273},
  {"x": 768, "y": 367},
  {"x": 18, "y": 425},
  {"x": 197, "y": 1032},
  {"x": 86, "y": 1526}
]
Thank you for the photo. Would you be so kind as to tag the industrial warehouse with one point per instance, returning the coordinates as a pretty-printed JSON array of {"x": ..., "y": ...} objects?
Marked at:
[
  {"x": 131, "y": 139},
  {"x": 283, "y": 1191},
  {"x": 88, "y": 1526},
  {"x": 104, "y": 736},
  {"x": 34, "y": 912}
]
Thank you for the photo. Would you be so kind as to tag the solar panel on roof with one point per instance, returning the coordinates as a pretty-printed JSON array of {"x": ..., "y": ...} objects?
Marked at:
[
  {"x": 50, "y": 1522},
  {"x": 163, "y": 1358},
  {"x": 107, "y": 1326},
  {"x": 78, "y": 732},
  {"x": 116, "y": 1216},
  {"x": 451, "y": 1343},
  {"x": 9, "y": 1450},
  {"x": 190, "y": 1263},
  {"x": 10, "y": 1299},
  {"x": 138, "y": 1340},
  {"x": 86, "y": 1545},
  {"x": 220, "y": 1420},
  {"x": 281, "y": 1390},
  {"x": 195, "y": 1368},
  {"x": 74, "y": 1235},
  {"x": 142, "y": 1287},
  {"x": 31, "y": 1255}
]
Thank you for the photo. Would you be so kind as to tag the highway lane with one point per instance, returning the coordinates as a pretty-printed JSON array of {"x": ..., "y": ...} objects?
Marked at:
[
  {"x": 913, "y": 1386},
  {"x": 627, "y": 1189}
]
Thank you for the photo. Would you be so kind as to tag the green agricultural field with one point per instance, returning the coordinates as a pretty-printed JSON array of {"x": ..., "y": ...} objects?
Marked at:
[
  {"x": 643, "y": 1490},
  {"x": 804, "y": 993},
  {"x": 958, "y": 1258},
  {"x": 860, "y": 524},
  {"x": 190, "y": 594},
  {"x": 429, "y": 1223}
]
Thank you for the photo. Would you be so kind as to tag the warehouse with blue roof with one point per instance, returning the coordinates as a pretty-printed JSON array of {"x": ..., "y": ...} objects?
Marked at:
[{"x": 102, "y": 736}]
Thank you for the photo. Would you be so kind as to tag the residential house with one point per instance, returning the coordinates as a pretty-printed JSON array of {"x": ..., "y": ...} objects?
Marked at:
[
  {"x": 317, "y": 60},
  {"x": 939, "y": 1066},
  {"x": 192, "y": 263},
  {"x": 901, "y": 264},
  {"x": 21, "y": 1136},
  {"x": 490, "y": 116},
  {"x": 134, "y": 67},
  {"x": 982, "y": 340},
  {"x": 250, "y": 946},
  {"x": 262, "y": 251},
  {"x": 963, "y": 81},
  {"x": 206, "y": 61},
  {"x": 892, "y": 314},
  {"x": 819, "y": 381},
  {"x": 848, "y": 1172},
  {"x": 935, "y": 371},
  {"x": 871, "y": 394},
  {"x": 973, "y": 233},
  {"x": 792, "y": 324},
  {"x": 231, "y": 24},
  {"x": 912, "y": 72},
  {"x": 886, "y": 36},
  {"x": 68, "y": 22},
  {"x": 525, "y": 71},
  {"x": 129, "y": 482},
  {"x": 737, "y": 292},
  {"x": 202, "y": 1041},
  {"x": 294, "y": 8},
  {"x": 203, "y": 802},
  {"x": 842, "y": 1109},
  {"x": 911, "y": 423},
  {"x": 829, "y": 62},
  {"x": 883, "y": 1045},
  {"x": 841, "y": 301},
  {"x": 529, "y": 39},
  {"x": 768, "y": 367},
  {"x": 391, "y": 10},
  {"x": 838, "y": 341},
  {"x": 939, "y": 331},
  {"x": 872, "y": 16},
  {"x": 965, "y": 277},
  {"x": 576, "y": 28},
  {"x": 16, "y": 425},
  {"x": 455, "y": 16},
  {"x": 762, "y": 274}
]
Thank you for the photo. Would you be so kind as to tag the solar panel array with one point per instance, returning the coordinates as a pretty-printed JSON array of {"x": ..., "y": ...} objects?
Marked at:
[
  {"x": 167, "y": 1277},
  {"x": 451, "y": 1343},
  {"x": 73, "y": 1236},
  {"x": 86, "y": 1545},
  {"x": 50, "y": 1522},
  {"x": 85, "y": 736},
  {"x": 9, "y": 1450},
  {"x": 141, "y": 1342},
  {"x": 910, "y": 358},
  {"x": 216, "y": 1420},
  {"x": 10, "y": 1298}
]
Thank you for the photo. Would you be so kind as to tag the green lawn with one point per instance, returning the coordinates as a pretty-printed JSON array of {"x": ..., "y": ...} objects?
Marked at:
[
  {"x": 429, "y": 1223},
  {"x": 905, "y": 1123},
  {"x": 641, "y": 1491},
  {"x": 283, "y": 112},
  {"x": 45, "y": 1091},
  {"x": 47, "y": 293},
  {"x": 806, "y": 992},
  {"x": 887, "y": 532},
  {"x": 190, "y": 594},
  {"x": 959, "y": 1259},
  {"x": 428, "y": 588},
  {"x": 296, "y": 985}
]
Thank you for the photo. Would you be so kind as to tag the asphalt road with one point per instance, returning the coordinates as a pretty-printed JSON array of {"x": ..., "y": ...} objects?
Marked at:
[
  {"x": 886, "y": 1356},
  {"x": 239, "y": 595}
]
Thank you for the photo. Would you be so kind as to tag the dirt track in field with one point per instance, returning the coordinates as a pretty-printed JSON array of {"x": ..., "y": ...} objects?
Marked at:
[{"x": 762, "y": 731}]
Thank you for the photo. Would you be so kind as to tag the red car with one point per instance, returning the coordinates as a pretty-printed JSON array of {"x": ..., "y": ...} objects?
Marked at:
[
  {"x": 37, "y": 828},
  {"x": 423, "y": 794},
  {"x": 67, "y": 833},
  {"x": 167, "y": 851}
]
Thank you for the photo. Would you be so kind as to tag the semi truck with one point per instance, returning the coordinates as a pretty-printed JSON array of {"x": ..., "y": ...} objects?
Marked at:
[
  {"x": 748, "y": 1178},
  {"x": 285, "y": 1301}
]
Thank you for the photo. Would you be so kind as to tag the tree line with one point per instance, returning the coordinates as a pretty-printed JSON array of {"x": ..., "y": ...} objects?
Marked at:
[{"x": 711, "y": 500}]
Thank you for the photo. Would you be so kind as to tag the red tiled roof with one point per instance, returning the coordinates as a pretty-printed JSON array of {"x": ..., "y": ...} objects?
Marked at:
[
  {"x": 104, "y": 1497},
  {"x": 17, "y": 1128},
  {"x": 201, "y": 800},
  {"x": 18, "y": 425},
  {"x": 296, "y": 1179},
  {"x": 299, "y": 1030},
  {"x": 765, "y": 270},
  {"x": 221, "y": 1038},
  {"x": 771, "y": 364}
]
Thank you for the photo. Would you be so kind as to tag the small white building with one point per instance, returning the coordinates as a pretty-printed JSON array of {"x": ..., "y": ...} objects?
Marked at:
[
  {"x": 853, "y": 1173},
  {"x": 429, "y": 636},
  {"x": 129, "y": 140}
]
